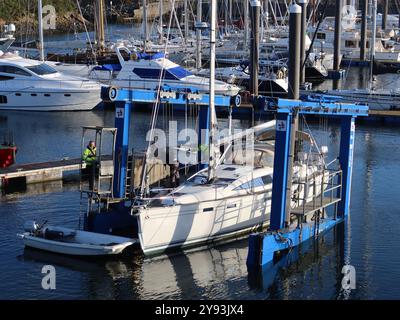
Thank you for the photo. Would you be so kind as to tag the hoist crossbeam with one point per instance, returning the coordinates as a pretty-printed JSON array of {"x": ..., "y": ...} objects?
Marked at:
[
  {"x": 176, "y": 96},
  {"x": 324, "y": 107}
]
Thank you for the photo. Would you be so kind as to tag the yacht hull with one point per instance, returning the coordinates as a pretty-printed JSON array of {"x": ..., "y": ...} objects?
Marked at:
[
  {"x": 205, "y": 222},
  {"x": 49, "y": 100},
  {"x": 316, "y": 73},
  {"x": 201, "y": 223}
]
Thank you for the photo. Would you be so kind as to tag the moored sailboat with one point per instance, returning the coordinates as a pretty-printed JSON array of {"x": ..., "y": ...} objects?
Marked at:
[{"x": 227, "y": 199}]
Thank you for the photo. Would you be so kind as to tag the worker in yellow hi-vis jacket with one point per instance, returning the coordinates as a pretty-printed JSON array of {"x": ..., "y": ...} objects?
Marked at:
[{"x": 89, "y": 157}]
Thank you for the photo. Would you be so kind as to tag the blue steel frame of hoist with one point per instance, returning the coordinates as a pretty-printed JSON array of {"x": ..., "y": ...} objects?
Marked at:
[
  {"x": 118, "y": 217},
  {"x": 262, "y": 246},
  {"x": 125, "y": 99}
]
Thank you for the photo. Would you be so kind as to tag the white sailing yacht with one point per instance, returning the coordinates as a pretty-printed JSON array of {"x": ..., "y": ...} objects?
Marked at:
[
  {"x": 236, "y": 202},
  {"x": 229, "y": 198}
]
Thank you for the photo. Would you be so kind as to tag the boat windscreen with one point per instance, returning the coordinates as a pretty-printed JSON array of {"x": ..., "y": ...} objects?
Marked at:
[
  {"x": 179, "y": 72},
  {"x": 42, "y": 69},
  {"x": 146, "y": 56},
  {"x": 175, "y": 73},
  {"x": 254, "y": 183}
]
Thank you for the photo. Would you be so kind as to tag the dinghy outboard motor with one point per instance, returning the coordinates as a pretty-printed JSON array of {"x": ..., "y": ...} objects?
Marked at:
[
  {"x": 35, "y": 229},
  {"x": 31, "y": 226}
]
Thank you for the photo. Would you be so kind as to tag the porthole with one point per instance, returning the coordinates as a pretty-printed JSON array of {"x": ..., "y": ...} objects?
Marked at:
[{"x": 3, "y": 99}]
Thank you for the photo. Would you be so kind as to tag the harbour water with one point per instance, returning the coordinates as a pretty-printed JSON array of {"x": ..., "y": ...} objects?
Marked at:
[{"x": 369, "y": 242}]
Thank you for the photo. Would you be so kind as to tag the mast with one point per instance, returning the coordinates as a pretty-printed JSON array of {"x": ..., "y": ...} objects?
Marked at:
[
  {"x": 212, "y": 154},
  {"x": 246, "y": 23},
  {"x": 303, "y": 5},
  {"x": 186, "y": 21},
  {"x": 144, "y": 5},
  {"x": 266, "y": 15},
  {"x": 363, "y": 44},
  {"x": 40, "y": 18},
  {"x": 385, "y": 14},
  {"x": 226, "y": 9},
  {"x": 161, "y": 21},
  {"x": 372, "y": 45},
  {"x": 254, "y": 46},
  {"x": 230, "y": 11},
  {"x": 262, "y": 21},
  {"x": 198, "y": 34},
  {"x": 100, "y": 26}
]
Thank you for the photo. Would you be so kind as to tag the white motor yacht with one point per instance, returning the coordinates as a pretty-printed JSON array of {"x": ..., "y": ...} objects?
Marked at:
[
  {"x": 32, "y": 85},
  {"x": 143, "y": 71}
]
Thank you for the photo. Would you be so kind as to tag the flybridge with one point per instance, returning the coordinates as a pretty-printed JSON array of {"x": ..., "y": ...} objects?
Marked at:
[
  {"x": 146, "y": 56},
  {"x": 174, "y": 73}
]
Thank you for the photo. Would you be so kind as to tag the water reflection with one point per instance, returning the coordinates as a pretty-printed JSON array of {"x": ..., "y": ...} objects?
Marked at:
[
  {"x": 301, "y": 273},
  {"x": 102, "y": 278},
  {"x": 13, "y": 190},
  {"x": 213, "y": 273},
  {"x": 209, "y": 273}
]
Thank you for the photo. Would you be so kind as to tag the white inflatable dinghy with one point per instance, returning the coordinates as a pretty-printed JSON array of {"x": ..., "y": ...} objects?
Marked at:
[{"x": 72, "y": 242}]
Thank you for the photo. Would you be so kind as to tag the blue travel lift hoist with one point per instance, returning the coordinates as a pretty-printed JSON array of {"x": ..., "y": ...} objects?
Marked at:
[
  {"x": 282, "y": 233},
  {"x": 117, "y": 215}
]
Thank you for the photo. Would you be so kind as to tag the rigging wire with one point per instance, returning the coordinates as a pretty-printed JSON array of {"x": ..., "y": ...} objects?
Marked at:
[
  {"x": 155, "y": 110},
  {"x": 86, "y": 30}
]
